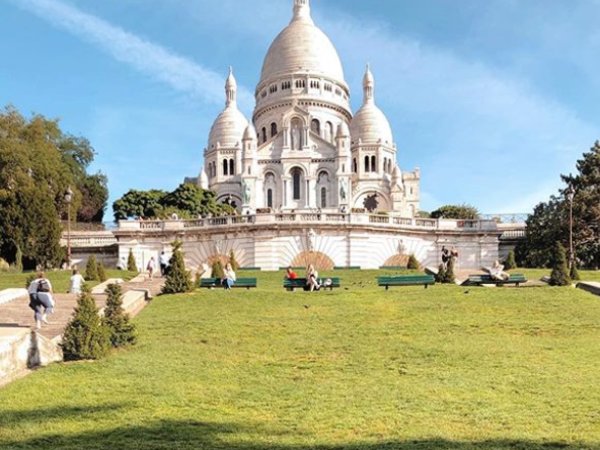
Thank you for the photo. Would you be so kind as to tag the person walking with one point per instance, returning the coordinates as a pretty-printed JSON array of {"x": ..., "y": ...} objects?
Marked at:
[
  {"x": 40, "y": 299},
  {"x": 150, "y": 267},
  {"x": 76, "y": 282},
  {"x": 163, "y": 261},
  {"x": 229, "y": 277}
]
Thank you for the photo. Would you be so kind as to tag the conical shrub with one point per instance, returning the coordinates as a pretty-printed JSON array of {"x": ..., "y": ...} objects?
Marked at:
[
  {"x": 560, "y": 271},
  {"x": 131, "y": 264},
  {"x": 510, "y": 262},
  {"x": 86, "y": 336},
  {"x": 122, "y": 332},
  {"x": 101, "y": 273},
  {"x": 91, "y": 269},
  {"x": 217, "y": 270},
  {"x": 178, "y": 279},
  {"x": 574, "y": 273}
]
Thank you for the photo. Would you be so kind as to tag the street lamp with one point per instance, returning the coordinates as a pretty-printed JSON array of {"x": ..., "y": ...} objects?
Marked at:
[
  {"x": 68, "y": 200},
  {"x": 570, "y": 194}
]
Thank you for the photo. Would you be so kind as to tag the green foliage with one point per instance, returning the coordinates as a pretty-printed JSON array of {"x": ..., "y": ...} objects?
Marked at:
[
  {"x": 131, "y": 264},
  {"x": 19, "y": 260},
  {"x": 234, "y": 264},
  {"x": 101, "y": 272},
  {"x": 187, "y": 201},
  {"x": 217, "y": 270},
  {"x": 441, "y": 275},
  {"x": 91, "y": 269},
  {"x": 86, "y": 336},
  {"x": 450, "y": 277},
  {"x": 574, "y": 273},
  {"x": 413, "y": 263},
  {"x": 466, "y": 212},
  {"x": 560, "y": 271},
  {"x": 35, "y": 172},
  {"x": 178, "y": 279},
  {"x": 510, "y": 262},
  {"x": 122, "y": 331}
]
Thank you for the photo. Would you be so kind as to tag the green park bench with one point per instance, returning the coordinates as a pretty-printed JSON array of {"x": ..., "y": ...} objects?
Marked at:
[
  {"x": 300, "y": 283},
  {"x": 392, "y": 267},
  {"x": 216, "y": 283},
  {"x": 249, "y": 269},
  {"x": 295, "y": 269},
  {"x": 478, "y": 280},
  {"x": 346, "y": 268},
  {"x": 406, "y": 280}
]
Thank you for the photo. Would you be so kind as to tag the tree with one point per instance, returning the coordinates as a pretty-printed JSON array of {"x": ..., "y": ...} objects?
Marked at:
[
  {"x": 86, "y": 336},
  {"x": 131, "y": 264},
  {"x": 136, "y": 204},
  {"x": 122, "y": 331},
  {"x": 234, "y": 264},
  {"x": 574, "y": 273},
  {"x": 560, "y": 272},
  {"x": 510, "y": 262},
  {"x": 217, "y": 270},
  {"x": 101, "y": 272},
  {"x": 19, "y": 260},
  {"x": 178, "y": 279},
  {"x": 465, "y": 212},
  {"x": 413, "y": 264},
  {"x": 91, "y": 269}
]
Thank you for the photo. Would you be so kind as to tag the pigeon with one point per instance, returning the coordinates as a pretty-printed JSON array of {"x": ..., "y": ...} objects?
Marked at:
[{"x": 306, "y": 306}]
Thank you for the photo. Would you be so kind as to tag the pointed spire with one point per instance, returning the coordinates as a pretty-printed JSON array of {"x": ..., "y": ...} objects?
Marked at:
[
  {"x": 302, "y": 10},
  {"x": 369, "y": 86},
  {"x": 231, "y": 88}
]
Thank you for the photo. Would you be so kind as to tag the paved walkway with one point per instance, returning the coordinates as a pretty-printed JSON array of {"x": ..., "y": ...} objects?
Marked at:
[{"x": 18, "y": 314}]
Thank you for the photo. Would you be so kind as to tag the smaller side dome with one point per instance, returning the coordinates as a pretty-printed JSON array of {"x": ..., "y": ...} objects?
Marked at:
[
  {"x": 228, "y": 128},
  {"x": 250, "y": 133},
  {"x": 342, "y": 130},
  {"x": 370, "y": 125}
]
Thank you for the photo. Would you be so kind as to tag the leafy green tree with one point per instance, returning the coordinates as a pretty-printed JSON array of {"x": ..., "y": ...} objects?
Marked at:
[
  {"x": 139, "y": 204},
  {"x": 131, "y": 264},
  {"x": 217, "y": 270},
  {"x": 413, "y": 263},
  {"x": 560, "y": 272},
  {"x": 86, "y": 336},
  {"x": 178, "y": 279},
  {"x": 122, "y": 331},
  {"x": 465, "y": 212},
  {"x": 91, "y": 269},
  {"x": 510, "y": 262},
  {"x": 101, "y": 272}
]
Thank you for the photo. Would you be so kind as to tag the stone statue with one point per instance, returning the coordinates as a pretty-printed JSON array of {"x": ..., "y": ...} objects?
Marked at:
[
  {"x": 310, "y": 237},
  {"x": 343, "y": 189},
  {"x": 295, "y": 138},
  {"x": 246, "y": 192}
]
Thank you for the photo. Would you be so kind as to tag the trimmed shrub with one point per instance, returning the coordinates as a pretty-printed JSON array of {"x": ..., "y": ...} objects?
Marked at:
[
  {"x": 413, "y": 264},
  {"x": 560, "y": 271},
  {"x": 510, "y": 262},
  {"x": 178, "y": 279},
  {"x": 441, "y": 275},
  {"x": 91, "y": 269},
  {"x": 234, "y": 264},
  {"x": 86, "y": 336},
  {"x": 131, "y": 264},
  {"x": 101, "y": 273},
  {"x": 217, "y": 270},
  {"x": 574, "y": 273},
  {"x": 122, "y": 332},
  {"x": 450, "y": 277}
]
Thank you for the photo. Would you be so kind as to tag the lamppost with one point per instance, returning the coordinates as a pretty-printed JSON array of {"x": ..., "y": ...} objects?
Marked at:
[
  {"x": 570, "y": 194},
  {"x": 68, "y": 199}
]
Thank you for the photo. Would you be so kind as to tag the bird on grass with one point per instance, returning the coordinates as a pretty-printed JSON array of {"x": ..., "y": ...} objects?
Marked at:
[{"x": 306, "y": 306}]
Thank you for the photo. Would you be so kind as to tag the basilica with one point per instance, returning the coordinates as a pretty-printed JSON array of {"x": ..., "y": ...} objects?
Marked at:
[{"x": 304, "y": 148}]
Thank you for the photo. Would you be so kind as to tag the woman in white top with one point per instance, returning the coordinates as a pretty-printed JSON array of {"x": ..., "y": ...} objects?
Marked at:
[
  {"x": 228, "y": 277},
  {"x": 312, "y": 278},
  {"x": 76, "y": 282}
]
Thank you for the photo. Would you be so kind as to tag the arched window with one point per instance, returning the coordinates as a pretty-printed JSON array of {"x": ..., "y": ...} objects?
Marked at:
[
  {"x": 264, "y": 135},
  {"x": 323, "y": 197},
  {"x": 269, "y": 198},
  {"x": 385, "y": 164},
  {"x": 373, "y": 164},
  {"x": 273, "y": 129},
  {"x": 296, "y": 183},
  {"x": 329, "y": 131},
  {"x": 231, "y": 167},
  {"x": 354, "y": 166},
  {"x": 225, "y": 167},
  {"x": 315, "y": 126},
  {"x": 367, "y": 160}
]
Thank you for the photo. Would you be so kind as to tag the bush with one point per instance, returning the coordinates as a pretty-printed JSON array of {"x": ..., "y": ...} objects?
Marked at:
[
  {"x": 178, "y": 279},
  {"x": 91, "y": 269},
  {"x": 86, "y": 336},
  {"x": 574, "y": 273},
  {"x": 560, "y": 271},
  {"x": 234, "y": 264},
  {"x": 510, "y": 262},
  {"x": 101, "y": 273},
  {"x": 131, "y": 264},
  {"x": 441, "y": 275},
  {"x": 217, "y": 270},
  {"x": 122, "y": 332},
  {"x": 413, "y": 264},
  {"x": 450, "y": 277}
]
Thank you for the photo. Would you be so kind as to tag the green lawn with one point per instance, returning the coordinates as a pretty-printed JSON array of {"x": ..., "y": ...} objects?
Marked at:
[
  {"x": 59, "y": 279},
  {"x": 359, "y": 368}
]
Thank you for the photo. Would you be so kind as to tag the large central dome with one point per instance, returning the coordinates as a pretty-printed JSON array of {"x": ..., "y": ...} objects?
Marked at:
[{"x": 302, "y": 48}]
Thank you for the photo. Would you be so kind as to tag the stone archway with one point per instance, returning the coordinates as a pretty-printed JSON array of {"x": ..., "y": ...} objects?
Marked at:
[{"x": 320, "y": 260}]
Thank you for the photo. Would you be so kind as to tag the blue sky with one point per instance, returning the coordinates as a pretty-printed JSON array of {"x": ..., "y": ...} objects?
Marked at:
[{"x": 491, "y": 99}]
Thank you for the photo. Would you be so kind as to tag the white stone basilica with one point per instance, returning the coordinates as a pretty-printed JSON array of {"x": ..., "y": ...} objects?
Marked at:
[{"x": 304, "y": 149}]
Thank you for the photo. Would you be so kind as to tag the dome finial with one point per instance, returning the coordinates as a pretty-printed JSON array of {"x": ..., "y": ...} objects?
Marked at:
[
  {"x": 369, "y": 86},
  {"x": 302, "y": 10},
  {"x": 230, "y": 88}
]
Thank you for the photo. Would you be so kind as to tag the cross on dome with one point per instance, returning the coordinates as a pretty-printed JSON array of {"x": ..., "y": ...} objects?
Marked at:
[{"x": 302, "y": 10}]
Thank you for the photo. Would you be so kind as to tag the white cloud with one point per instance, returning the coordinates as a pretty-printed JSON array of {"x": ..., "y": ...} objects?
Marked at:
[{"x": 151, "y": 59}]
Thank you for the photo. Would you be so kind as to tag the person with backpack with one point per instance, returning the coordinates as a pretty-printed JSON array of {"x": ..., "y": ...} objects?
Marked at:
[{"x": 40, "y": 299}]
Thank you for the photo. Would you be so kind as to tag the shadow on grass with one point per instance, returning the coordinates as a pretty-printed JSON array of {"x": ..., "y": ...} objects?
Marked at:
[{"x": 203, "y": 435}]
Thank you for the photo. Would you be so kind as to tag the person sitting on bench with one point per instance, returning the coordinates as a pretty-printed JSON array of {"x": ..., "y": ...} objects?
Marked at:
[
  {"x": 290, "y": 274},
  {"x": 312, "y": 278},
  {"x": 497, "y": 272},
  {"x": 229, "y": 278}
]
